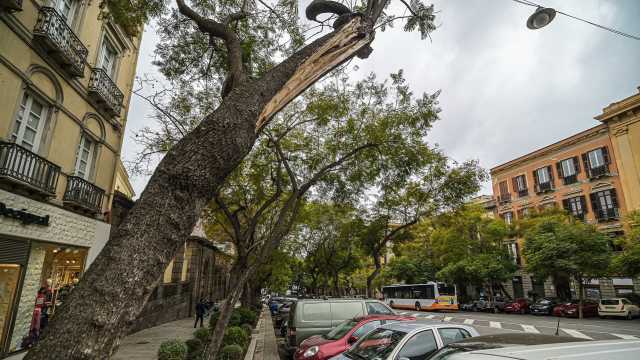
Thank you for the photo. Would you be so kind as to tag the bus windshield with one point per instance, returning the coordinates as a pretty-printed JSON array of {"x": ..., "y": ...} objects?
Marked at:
[{"x": 444, "y": 289}]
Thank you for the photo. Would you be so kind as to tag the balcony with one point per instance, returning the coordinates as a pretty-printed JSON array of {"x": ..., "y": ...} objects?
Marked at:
[
  {"x": 504, "y": 198},
  {"x": 53, "y": 33},
  {"x": 83, "y": 194},
  {"x": 571, "y": 179},
  {"x": 22, "y": 167},
  {"x": 523, "y": 192},
  {"x": 604, "y": 215},
  {"x": 11, "y": 5},
  {"x": 596, "y": 172},
  {"x": 105, "y": 92},
  {"x": 544, "y": 187}
]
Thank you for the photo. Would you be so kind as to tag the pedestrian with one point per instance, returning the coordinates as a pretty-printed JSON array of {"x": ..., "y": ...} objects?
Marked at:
[{"x": 200, "y": 310}]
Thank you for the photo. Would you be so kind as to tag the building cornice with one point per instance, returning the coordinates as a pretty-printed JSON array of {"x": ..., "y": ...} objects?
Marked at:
[
  {"x": 620, "y": 107},
  {"x": 578, "y": 138}
]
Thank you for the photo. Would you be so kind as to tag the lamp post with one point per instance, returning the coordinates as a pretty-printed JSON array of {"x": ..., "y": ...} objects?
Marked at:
[{"x": 541, "y": 18}]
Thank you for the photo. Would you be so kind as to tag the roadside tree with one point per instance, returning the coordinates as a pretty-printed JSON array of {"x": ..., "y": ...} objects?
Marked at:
[
  {"x": 115, "y": 288},
  {"x": 627, "y": 262},
  {"x": 559, "y": 244}
]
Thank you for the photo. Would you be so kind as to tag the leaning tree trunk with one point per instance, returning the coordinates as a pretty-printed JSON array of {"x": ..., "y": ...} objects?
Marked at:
[
  {"x": 373, "y": 275},
  {"x": 113, "y": 291}
]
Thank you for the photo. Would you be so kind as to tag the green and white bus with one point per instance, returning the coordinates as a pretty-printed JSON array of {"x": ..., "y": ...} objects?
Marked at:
[{"x": 429, "y": 296}]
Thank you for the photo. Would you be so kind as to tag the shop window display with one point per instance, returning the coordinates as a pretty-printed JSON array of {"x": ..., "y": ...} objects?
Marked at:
[
  {"x": 61, "y": 271},
  {"x": 9, "y": 279}
]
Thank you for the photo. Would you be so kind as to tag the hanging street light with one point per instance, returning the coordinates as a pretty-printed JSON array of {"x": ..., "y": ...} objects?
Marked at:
[{"x": 541, "y": 18}]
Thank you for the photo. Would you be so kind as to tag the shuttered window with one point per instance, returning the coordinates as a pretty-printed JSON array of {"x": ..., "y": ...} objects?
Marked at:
[{"x": 14, "y": 251}]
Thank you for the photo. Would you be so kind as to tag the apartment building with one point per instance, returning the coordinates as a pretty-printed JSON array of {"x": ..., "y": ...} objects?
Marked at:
[
  {"x": 579, "y": 174},
  {"x": 66, "y": 74}
]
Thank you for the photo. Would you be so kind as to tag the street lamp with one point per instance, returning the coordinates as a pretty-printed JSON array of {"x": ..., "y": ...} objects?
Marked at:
[{"x": 541, "y": 18}]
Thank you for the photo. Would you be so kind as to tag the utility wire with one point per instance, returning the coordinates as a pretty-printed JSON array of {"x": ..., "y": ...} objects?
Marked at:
[{"x": 617, "y": 32}]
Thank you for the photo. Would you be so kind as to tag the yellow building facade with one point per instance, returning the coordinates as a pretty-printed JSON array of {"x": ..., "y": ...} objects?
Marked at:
[
  {"x": 66, "y": 73},
  {"x": 623, "y": 120}
]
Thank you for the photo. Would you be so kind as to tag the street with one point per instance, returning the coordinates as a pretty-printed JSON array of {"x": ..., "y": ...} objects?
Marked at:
[{"x": 590, "y": 328}]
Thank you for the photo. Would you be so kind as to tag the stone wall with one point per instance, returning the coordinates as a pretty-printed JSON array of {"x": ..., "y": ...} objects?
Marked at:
[{"x": 27, "y": 300}]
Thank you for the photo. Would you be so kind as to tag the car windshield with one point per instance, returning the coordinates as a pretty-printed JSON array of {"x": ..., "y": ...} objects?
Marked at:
[
  {"x": 609, "y": 302},
  {"x": 340, "y": 330},
  {"x": 376, "y": 345}
]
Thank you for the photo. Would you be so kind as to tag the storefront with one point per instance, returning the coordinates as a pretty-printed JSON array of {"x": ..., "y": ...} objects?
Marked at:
[{"x": 44, "y": 251}]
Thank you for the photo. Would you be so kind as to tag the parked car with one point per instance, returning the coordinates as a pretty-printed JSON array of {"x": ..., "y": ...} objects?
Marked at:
[
  {"x": 406, "y": 340},
  {"x": 537, "y": 346},
  {"x": 589, "y": 309},
  {"x": 320, "y": 347},
  {"x": 543, "y": 306},
  {"x": 558, "y": 310},
  {"x": 618, "y": 307},
  {"x": 520, "y": 306},
  {"x": 317, "y": 317},
  {"x": 484, "y": 304},
  {"x": 282, "y": 313}
]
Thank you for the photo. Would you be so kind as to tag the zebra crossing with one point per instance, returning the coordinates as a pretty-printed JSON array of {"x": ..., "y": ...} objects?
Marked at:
[{"x": 528, "y": 328}]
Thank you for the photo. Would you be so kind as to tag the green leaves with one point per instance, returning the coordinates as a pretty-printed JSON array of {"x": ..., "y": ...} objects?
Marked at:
[{"x": 422, "y": 19}]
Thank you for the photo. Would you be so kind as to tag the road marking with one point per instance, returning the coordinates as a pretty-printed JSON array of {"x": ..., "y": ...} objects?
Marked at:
[
  {"x": 430, "y": 316},
  {"x": 576, "y": 333},
  {"x": 448, "y": 318},
  {"x": 625, "y": 336},
  {"x": 495, "y": 324},
  {"x": 530, "y": 329},
  {"x": 469, "y": 321}
]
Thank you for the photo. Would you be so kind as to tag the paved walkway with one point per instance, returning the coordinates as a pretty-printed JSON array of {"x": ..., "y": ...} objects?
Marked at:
[
  {"x": 266, "y": 344},
  {"x": 144, "y": 344}
]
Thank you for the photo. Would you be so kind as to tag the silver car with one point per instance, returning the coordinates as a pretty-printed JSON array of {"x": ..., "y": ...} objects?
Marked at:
[{"x": 406, "y": 341}]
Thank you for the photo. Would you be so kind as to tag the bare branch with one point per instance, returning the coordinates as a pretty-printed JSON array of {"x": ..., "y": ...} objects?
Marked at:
[
  {"x": 232, "y": 217},
  {"x": 283, "y": 159}
]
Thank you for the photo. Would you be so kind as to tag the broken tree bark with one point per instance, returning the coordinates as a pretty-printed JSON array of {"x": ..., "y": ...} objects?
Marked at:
[{"x": 115, "y": 288}]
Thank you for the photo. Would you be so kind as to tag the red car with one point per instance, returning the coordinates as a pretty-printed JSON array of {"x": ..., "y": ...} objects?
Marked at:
[
  {"x": 340, "y": 338},
  {"x": 520, "y": 306},
  {"x": 559, "y": 309},
  {"x": 589, "y": 309}
]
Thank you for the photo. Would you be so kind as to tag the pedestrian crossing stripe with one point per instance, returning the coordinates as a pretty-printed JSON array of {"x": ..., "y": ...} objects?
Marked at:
[
  {"x": 625, "y": 336},
  {"x": 530, "y": 329},
  {"x": 448, "y": 318},
  {"x": 576, "y": 333},
  {"x": 495, "y": 324},
  {"x": 469, "y": 321}
]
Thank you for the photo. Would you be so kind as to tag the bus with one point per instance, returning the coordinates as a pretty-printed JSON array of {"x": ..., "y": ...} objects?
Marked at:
[{"x": 429, "y": 296}]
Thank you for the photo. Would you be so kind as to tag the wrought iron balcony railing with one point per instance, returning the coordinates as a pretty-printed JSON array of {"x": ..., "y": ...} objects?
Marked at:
[
  {"x": 610, "y": 214},
  {"x": 83, "y": 194},
  {"x": 105, "y": 91},
  {"x": 504, "y": 198},
  {"x": 544, "y": 187},
  {"x": 60, "y": 41},
  {"x": 21, "y": 166},
  {"x": 11, "y": 5},
  {"x": 599, "y": 171}
]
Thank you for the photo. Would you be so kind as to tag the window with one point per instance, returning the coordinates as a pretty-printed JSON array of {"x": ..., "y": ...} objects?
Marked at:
[
  {"x": 67, "y": 9},
  {"x": 84, "y": 157},
  {"x": 346, "y": 310},
  {"x": 450, "y": 335},
  {"x": 444, "y": 290},
  {"x": 524, "y": 212},
  {"x": 366, "y": 328},
  {"x": 341, "y": 330},
  {"x": 508, "y": 217},
  {"x": 568, "y": 170},
  {"x": 107, "y": 58},
  {"x": 377, "y": 308},
  {"x": 596, "y": 162},
  {"x": 316, "y": 311},
  {"x": 29, "y": 123},
  {"x": 543, "y": 178},
  {"x": 577, "y": 206},
  {"x": 605, "y": 205},
  {"x": 504, "y": 191},
  {"x": 514, "y": 252},
  {"x": 419, "y": 347},
  {"x": 520, "y": 185},
  {"x": 377, "y": 344}
]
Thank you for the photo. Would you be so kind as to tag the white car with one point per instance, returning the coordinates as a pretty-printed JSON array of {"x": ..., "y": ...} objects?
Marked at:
[
  {"x": 619, "y": 307},
  {"x": 406, "y": 341}
]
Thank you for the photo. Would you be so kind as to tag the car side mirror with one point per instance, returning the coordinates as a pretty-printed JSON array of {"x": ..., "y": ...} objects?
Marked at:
[{"x": 352, "y": 339}]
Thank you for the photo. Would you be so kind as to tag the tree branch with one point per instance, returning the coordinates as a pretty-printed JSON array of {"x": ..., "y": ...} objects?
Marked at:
[
  {"x": 292, "y": 175},
  {"x": 233, "y": 218}
]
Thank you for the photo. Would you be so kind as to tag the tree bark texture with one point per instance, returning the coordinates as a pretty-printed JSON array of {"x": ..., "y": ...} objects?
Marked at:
[
  {"x": 115, "y": 288},
  {"x": 373, "y": 275}
]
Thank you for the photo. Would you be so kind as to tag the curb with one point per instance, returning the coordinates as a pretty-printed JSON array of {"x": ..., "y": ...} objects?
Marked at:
[{"x": 253, "y": 345}]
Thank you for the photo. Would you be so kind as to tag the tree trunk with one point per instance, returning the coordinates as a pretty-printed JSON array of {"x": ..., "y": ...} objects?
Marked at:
[
  {"x": 373, "y": 276},
  {"x": 113, "y": 291},
  {"x": 580, "y": 296}
]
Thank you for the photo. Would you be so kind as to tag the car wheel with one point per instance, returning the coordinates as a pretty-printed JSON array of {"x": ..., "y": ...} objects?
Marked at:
[{"x": 418, "y": 308}]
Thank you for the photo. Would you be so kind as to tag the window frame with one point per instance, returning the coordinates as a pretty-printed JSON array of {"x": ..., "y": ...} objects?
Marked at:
[
  {"x": 107, "y": 42},
  {"x": 88, "y": 173},
  {"x": 17, "y": 135}
]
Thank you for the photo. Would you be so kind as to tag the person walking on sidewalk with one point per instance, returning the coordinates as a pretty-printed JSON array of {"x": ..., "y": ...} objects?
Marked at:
[{"x": 200, "y": 310}]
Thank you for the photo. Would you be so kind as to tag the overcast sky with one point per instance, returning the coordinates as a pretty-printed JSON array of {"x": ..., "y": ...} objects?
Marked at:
[{"x": 506, "y": 90}]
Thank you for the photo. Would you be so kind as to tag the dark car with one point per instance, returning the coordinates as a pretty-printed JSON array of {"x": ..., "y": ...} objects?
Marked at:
[
  {"x": 518, "y": 306},
  {"x": 589, "y": 309},
  {"x": 498, "y": 341},
  {"x": 543, "y": 306},
  {"x": 484, "y": 304}
]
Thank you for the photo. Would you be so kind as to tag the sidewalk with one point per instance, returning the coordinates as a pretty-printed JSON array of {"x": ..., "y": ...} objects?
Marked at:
[
  {"x": 144, "y": 344},
  {"x": 266, "y": 343}
]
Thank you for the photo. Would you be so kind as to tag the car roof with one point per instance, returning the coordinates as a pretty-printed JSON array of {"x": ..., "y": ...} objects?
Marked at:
[
  {"x": 588, "y": 350},
  {"x": 383, "y": 317},
  {"x": 508, "y": 339},
  {"x": 409, "y": 326},
  {"x": 334, "y": 300}
]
